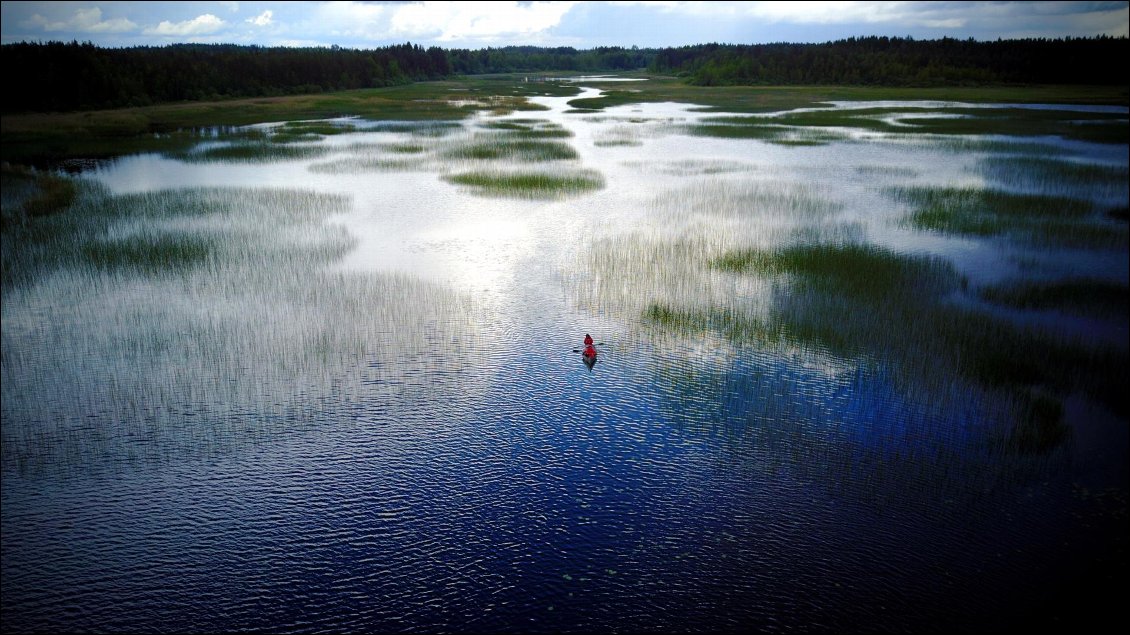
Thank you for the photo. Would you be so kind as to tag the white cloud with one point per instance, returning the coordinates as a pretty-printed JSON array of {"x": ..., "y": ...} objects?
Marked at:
[
  {"x": 263, "y": 19},
  {"x": 448, "y": 21},
  {"x": 350, "y": 19},
  {"x": 83, "y": 21},
  {"x": 200, "y": 25},
  {"x": 1002, "y": 16}
]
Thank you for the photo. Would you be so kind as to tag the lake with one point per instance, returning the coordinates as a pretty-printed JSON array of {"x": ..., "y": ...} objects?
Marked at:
[{"x": 857, "y": 374}]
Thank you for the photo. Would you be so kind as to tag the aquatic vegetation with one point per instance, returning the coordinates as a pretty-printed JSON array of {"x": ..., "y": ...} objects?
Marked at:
[
  {"x": 431, "y": 129},
  {"x": 151, "y": 254},
  {"x": 769, "y": 132},
  {"x": 1102, "y": 183},
  {"x": 839, "y": 295},
  {"x": 250, "y": 153},
  {"x": 529, "y": 128},
  {"x": 31, "y": 194},
  {"x": 1080, "y": 296},
  {"x": 620, "y": 136},
  {"x": 862, "y": 271},
  {"x": 504, "y": 147},
  {"x": 1102, "y": 127},
  {"x": 691, "y": 167},
  {"x": 1021, "y": 122},
  {"x": 1003, "y": 145},
  {"x": 358, "y": 165},
  {"x": 204, "y": 300},
  {"x": 406, "y": 148},
  {"x": 529, "y": 184},
  {"x": 319, "y": 128},
  {"x": 988, "y": 212},
  {"x": 887, "y": 170}
]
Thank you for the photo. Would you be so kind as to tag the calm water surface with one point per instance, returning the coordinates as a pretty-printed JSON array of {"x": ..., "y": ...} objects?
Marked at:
[{"x": 454, "y": 466}]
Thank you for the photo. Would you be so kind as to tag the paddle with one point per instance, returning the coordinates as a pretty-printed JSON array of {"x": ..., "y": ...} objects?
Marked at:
[{"x": 577, "y": 350}]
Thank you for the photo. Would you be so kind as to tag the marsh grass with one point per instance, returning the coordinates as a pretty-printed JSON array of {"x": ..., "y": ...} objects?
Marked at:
[
  {"x": 1022, "y": 122},
  {"x": 887, "y": 171},
  {"x": 360, "y": 165},
  {"x": 510, "y": 149},
  {"x": 1038, "y": 218},
  {"x": 768, "y": 132},
  {"x": 529, "y": 128},
  {"x": 692, "y": 167},
  {"x": 529, "y": 184},
  {"x": 863, "y": 301},
  {"x": 1016, "y": 122},
  {"x": 250, "y": 153},
  {"x": 1083, "y": 297},
  {"x": 1104, "y": 184},
  {"x": 622, "y": 135},
  {"x": 406, "y": 148},
  {"x": 769, "y": 268},
  {"x": 665, "y": 259},
  {"x": 29, "y": 194},
  {"x": 307, "y": 128},
  {"x": 148, "y": 231},
  {"x": 187, "y": 322},
  {"x": 965, "y": 145},
  {"x": 858, "y": 270},
  {"x": 151, "y": 254}
]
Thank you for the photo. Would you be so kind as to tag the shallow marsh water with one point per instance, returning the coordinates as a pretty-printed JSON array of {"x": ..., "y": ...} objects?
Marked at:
[{"x": 359, "y": 406}]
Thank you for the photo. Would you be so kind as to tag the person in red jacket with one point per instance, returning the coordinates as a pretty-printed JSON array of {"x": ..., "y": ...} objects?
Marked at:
[{"x": 590, "y": 352}]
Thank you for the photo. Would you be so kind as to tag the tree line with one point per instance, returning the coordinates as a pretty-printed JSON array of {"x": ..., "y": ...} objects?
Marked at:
[
  {"x": 900, "y": 62},
  {"x": 61, "y": 76}
]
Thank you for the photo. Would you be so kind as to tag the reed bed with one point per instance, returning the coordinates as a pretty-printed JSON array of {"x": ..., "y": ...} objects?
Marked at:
[
  {"x": 861, "y": 302},
  {"x": 187, "y": 322},
  {"x": 984, "y": 212},
  {"x": 1101, "y": 127},
  {"x": 361, "y": 165},
  {"x": 770, "y": 267},
  {"x": 768, "y": 132},
  {"x": 507, "y": 148},
  {"x": 1105, "y": 185},
  {"x": 261, "y": 152},
  {"x": 630, "y": 136},
  {"x": 525, "y": 128},
  {"x": 666, "y": 260},
  {"x": 529, "y": 184},
  {"x": 424, "y": 129},
  {"x": 29, "y": 194},
  {"x": 1096, "y": 298},
  {"x": 692, "y": 167}
]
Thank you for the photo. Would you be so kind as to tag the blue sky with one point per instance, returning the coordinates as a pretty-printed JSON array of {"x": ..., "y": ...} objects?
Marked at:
[{"x": 577, "y": 24}]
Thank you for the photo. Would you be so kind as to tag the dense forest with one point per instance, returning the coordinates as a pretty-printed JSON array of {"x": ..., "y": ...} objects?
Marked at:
[
  {"x": 58, "y": 76},
  {"x": 900, "y": 62}
]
